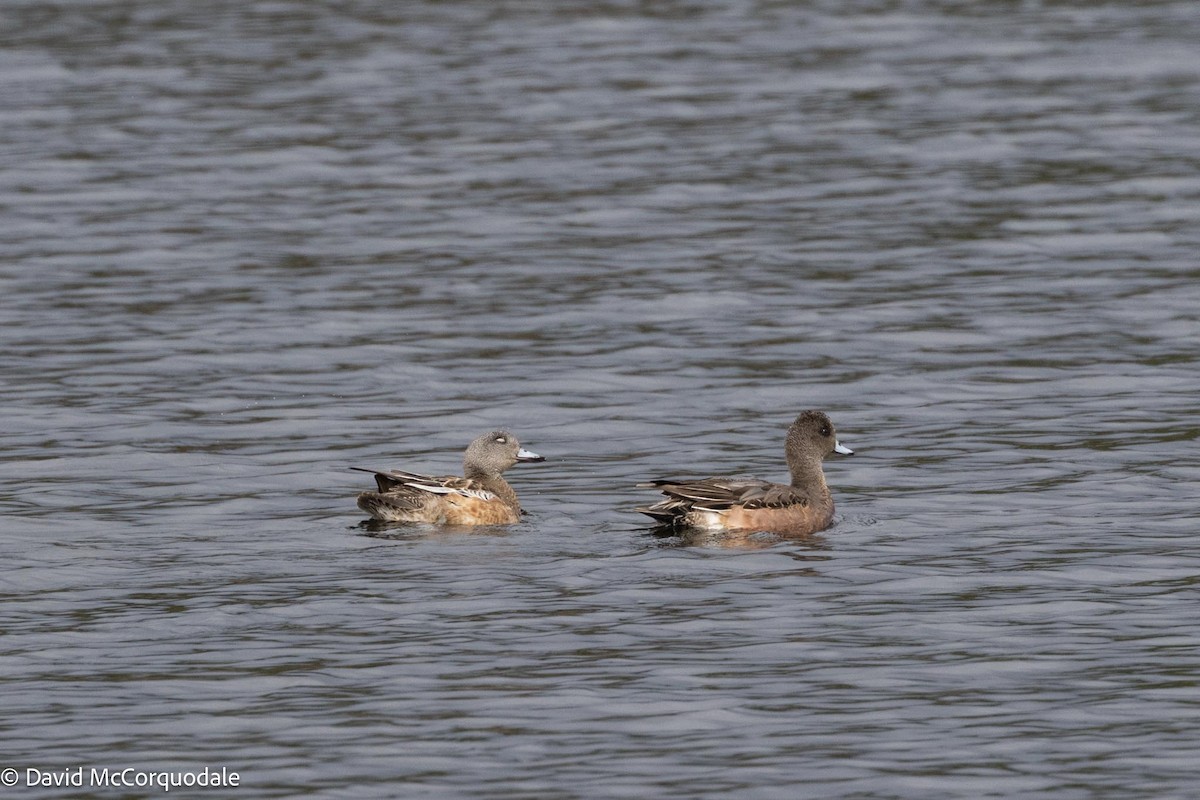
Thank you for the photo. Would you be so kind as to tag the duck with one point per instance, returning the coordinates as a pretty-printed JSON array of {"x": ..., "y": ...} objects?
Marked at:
[
  {"x": 800, "y": 508},
  {"x": 480, "y": 497}
]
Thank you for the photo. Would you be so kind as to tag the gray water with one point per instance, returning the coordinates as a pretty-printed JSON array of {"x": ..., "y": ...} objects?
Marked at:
[{"x": 246, "y": 245}]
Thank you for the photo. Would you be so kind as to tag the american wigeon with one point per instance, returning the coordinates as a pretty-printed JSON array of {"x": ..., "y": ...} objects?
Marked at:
[
  {"x": 482, "y": 497},
  {"x": 803, "y": 507}
]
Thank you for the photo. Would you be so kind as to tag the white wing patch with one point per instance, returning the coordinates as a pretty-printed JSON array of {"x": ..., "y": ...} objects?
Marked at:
[
  {"x": 433, "y": 488},
  {"x": 478, "y": 494}
]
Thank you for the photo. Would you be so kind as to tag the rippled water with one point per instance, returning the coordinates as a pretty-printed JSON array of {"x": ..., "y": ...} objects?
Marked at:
[{"x": 246, "y": 245}]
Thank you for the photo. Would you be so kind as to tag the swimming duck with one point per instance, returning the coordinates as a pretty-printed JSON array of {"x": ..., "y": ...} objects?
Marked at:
[
  {"x": 481, "y": 497},
  {"x": 800, "y": 508}
]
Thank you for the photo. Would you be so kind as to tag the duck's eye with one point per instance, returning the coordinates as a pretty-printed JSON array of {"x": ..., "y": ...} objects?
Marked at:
[{"x": 825, "y": 430}]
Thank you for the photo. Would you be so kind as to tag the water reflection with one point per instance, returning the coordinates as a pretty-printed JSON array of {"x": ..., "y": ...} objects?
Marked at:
[
  {"x": 735, "y": 539},
  {"x": 417, "y": 530}
]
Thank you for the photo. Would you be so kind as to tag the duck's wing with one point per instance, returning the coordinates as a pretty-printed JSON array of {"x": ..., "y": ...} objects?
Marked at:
[
  {"x": 398, "y": 481},
  {"x": 773, "y": 495},
  {"x": 721, "y": 494}
]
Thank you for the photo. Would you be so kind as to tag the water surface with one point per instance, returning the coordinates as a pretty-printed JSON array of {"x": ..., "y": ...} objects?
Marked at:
[{"x": 248, "y": 245}]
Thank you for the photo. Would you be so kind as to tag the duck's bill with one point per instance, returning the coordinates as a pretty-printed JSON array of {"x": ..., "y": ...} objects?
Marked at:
[
  {"x": 526, "y": 455},
  {"x": 838, "y": 447}
]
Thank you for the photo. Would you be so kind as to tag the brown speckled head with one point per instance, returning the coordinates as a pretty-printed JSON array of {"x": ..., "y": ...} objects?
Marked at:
[
  {"x": 494, "y": 452},
  {"x": 810, "y": 438}
]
